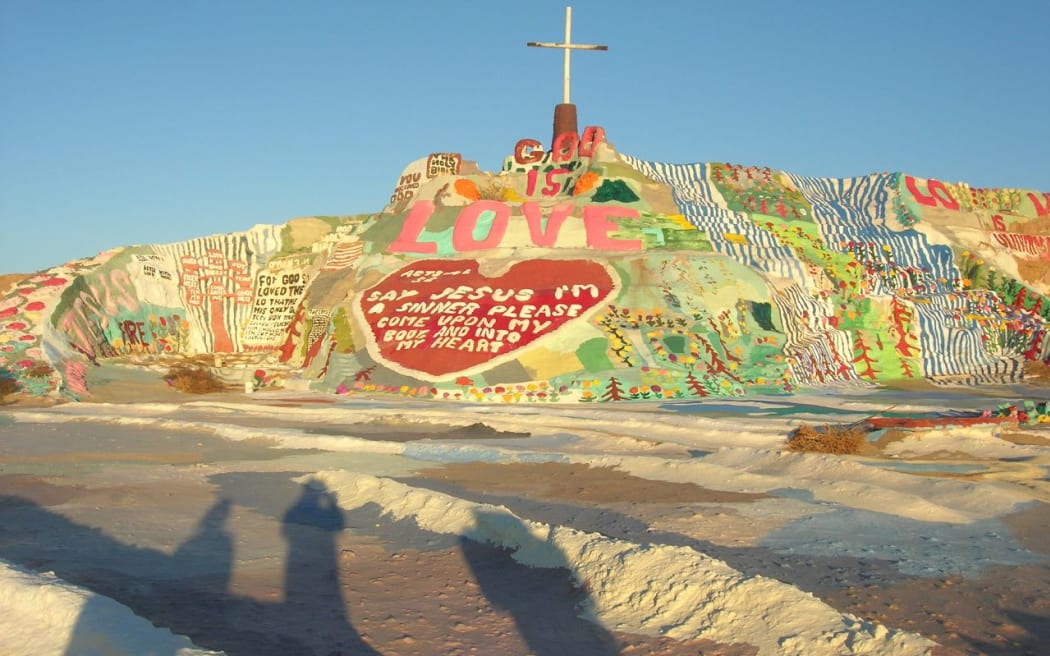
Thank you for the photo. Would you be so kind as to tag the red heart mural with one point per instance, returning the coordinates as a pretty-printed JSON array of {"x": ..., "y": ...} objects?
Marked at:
[{"x": 435, "y": 318}]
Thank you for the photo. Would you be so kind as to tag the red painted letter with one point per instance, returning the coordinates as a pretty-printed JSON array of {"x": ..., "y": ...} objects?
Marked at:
[
  {"x": 938, "y": 193},
  {"x": 1040, "y": 210},
  {"x": 592, "y": 136},
  {"x": 463, "y": 233},
  {"x": 565, "y": 146},
  {"x": 528, "y": 151},
  {"x": 598, "y": 225},
  {"x": 545, "y": 234},
  {"x": 410, "y": 229},
  {"x": 553, "y": 186}
]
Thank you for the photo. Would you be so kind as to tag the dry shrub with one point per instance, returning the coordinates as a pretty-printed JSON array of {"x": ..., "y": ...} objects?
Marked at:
[
  {"x": 491, "y": 190},
  {"x": 7, "y": 386},
  {"x": 38, "y": 370},
  {"x": 842, "y": 440},
  {"x": 194, "y": 380},
  {"x": 1038, "y": 372}
]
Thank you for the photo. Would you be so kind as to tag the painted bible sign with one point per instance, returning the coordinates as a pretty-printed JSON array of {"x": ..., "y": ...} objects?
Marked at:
[{"x": 436, "y": 318}]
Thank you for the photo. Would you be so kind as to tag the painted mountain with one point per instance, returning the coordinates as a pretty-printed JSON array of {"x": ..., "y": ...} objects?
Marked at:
[{"x": 573, "y": 275}]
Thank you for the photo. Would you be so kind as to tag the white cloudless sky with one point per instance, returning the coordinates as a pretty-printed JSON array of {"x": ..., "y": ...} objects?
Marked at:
[{"x": 145, "y": 121}]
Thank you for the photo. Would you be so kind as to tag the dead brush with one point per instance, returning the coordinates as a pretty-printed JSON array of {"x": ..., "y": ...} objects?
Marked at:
[
  {"x": 193, "y": 380},
  {"x": 1038, "y": 372},
  {"x": 491, "y": 190},
  {"x": 829, "y": 438},
  {"x": 7, "y": 386},
  {"x": 38, "y": 370}
]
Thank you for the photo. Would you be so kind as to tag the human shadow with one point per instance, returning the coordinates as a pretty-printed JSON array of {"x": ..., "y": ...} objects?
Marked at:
[
  {"x": 543, "y": 601},
  {"x": 211, "y": 543},
  {"x": 1034, "y": 641},
  {"x": 312, "y": 573},
  {"x": 188, "y": 592},
  {"x": 206, "y": 557}
]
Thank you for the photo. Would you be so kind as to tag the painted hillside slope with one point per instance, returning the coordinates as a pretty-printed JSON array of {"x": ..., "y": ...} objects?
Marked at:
[{"x": 577, "y": 275}]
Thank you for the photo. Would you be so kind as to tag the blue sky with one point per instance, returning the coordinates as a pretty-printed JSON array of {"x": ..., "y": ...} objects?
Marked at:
[{"x": 136, "y": 121}]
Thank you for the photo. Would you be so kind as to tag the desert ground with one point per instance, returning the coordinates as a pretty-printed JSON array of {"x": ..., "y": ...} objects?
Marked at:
[{"x": 286, "y": 522}]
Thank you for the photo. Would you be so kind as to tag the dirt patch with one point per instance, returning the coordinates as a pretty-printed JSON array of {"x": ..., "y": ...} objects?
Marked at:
[
  {"x": 577, "y": 482},
  {"x": 1029, "y": 526},
  {"x": 1003, "y": 612},
  {"x": 17, "y": 489},
  {"x": 77, "y": 444},
  {"x": 391, "y": 431},
  {"x": 1025, "y": 439}
]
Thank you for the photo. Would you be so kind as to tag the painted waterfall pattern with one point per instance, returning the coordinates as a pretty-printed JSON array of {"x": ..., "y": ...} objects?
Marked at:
[{"x": 574, "y": 275}]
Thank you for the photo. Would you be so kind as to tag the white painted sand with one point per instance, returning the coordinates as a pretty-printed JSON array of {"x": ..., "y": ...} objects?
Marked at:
[{"x": 710, "y": 535}]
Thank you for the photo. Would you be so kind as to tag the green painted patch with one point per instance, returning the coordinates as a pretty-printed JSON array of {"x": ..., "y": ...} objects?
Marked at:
[{"x": 593, "y": 356}]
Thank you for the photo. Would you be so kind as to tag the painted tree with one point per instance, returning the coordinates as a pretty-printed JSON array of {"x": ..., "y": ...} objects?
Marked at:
[
  {"x": 315, "y": 347},
  {"x": 901, "y": 316},
  {"x": 815, "y": 369},
  {"x": 718, "y": 365},
  {"x": 1021, "y": 298},
  {"x": 1036, "y": 346},
  {"x": 906, "y": 368},
  {"x": 613, "y": 391},
  {"x": 295, "y": 331},
  {"x": 332, "y": 344},
  {"x": 695, "y": 385},
  {"x": 364, "y": 375},
  {"x": 864, "y": 359},
  {"x": 838, "y": 367}
]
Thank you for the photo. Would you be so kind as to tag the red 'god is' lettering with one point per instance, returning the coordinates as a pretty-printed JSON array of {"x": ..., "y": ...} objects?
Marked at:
[{"x": 566, "y": 147}]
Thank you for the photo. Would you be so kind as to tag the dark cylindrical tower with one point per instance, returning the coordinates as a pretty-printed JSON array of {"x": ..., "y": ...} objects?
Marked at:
[{"x": 564, "y": 120}]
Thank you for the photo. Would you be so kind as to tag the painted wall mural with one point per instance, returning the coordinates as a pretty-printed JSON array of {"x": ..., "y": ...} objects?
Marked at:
[
  {"x": 278, "y": 295},
  {"x": 576, "y": 274},
  {"x": 436, "y": 318}
]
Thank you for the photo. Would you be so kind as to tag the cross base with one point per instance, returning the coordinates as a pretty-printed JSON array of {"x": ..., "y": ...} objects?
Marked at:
[{"x": 564, "y": 121}]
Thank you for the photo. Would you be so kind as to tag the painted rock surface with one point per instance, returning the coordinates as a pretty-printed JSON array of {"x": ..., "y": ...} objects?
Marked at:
[{"x": 575, "y": 275}]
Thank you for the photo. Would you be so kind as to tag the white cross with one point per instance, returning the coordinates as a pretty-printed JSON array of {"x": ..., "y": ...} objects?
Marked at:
[{"x": 567, "y": 46}]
